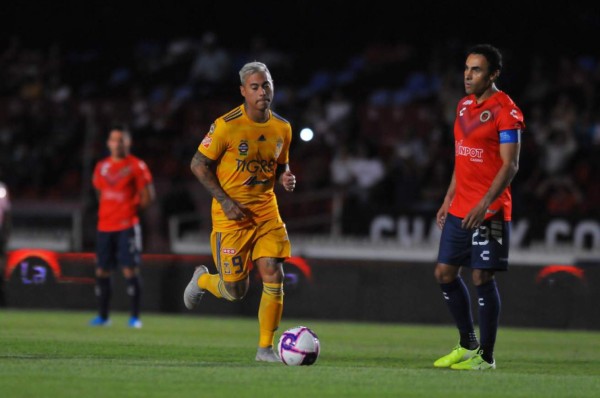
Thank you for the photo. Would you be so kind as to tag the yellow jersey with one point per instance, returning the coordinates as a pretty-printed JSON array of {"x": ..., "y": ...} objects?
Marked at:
[{"x": 247, "y": 154}]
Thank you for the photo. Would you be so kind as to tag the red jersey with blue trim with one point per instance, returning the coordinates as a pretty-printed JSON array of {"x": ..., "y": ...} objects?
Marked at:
[
  {"x": 120, "y": 183},
  {"x": 477, "y": 132}
]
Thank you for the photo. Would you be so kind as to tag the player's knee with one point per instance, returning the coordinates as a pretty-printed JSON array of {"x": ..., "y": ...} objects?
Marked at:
[
  {"x": 271, "y": 270},
  {"x": 481, "y": 277},
  {"x": 275, "y": 277},
  {"x": 236, "y": 291},
  {"x": 129, "y": 272},
  {"x": 444, "y": 273},
  {"x": 102, "y": 273}
]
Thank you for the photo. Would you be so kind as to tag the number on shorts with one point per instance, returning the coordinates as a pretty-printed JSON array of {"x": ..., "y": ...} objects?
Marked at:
[
  {"x": 484, "y": 232},
  {"x": 238, "y": 264}
]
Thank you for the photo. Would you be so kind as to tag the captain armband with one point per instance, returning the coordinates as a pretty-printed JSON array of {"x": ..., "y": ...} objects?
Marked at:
[{"x": 510, "y": 136}]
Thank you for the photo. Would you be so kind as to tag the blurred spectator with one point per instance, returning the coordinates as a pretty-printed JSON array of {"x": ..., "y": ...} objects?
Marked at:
[
  {"x": 358, "y": 172},
  {"x": 558, "y": 149},
  {"x": 211, "y": 66},
  {"x": 341, "y": 168},
  {"x": 560, "y": 195},
  {"x": 55, "y": 100},
  {"x": 176, "y": 201},
  {"x": 277, "y": 60},
  {"x": 338, "y": 117},
  {"x": 538, "y": 86},
  {"x": 5, "y": 218},
  {"x": 5, "y": 228}
]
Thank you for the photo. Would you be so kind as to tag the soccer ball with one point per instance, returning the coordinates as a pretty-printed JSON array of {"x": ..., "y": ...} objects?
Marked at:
[{"x": 299, "y": 346}]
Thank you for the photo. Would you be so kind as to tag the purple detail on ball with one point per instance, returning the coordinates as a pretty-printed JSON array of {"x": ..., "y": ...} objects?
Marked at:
[
  {"x": 281, "y": 355},
  {"x": 288, "y": 341}
]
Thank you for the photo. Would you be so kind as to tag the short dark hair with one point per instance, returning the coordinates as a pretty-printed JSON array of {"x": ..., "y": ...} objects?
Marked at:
[
  {"x": 491, "y": 53},
  {"x": 119, "y": 126},
  {"x": 123, "y": 128}
]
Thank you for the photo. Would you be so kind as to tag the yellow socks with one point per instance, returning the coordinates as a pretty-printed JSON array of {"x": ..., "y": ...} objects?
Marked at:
[
  {"x": 269, "y": 312},
  {"x": 214, "y": 284}
]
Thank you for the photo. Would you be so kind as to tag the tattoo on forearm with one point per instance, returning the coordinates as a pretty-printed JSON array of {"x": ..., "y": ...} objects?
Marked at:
[
  {"x": 204, "y": 170},
  {"x": 198, "y": 159}
]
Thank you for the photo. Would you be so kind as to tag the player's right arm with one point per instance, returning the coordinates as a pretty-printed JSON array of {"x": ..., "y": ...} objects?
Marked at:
[
  {"x": 147, "y": 195},
  {"x": 443, "y": 211},
  {"x": 145, "y": 185},
  {"x": 204, "y": 169},
  {"x": 96, "y": 183}
]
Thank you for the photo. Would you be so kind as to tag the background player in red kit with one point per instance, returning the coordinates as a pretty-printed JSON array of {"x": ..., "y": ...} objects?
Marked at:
[
  {"x": 476, "y": 213},
  {"x": 124, "y": 185}
]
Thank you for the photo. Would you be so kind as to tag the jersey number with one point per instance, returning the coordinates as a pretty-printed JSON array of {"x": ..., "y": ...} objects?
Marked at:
[
  {"x": 481, "y": 236},
  {"x": 237, "y": 265}
]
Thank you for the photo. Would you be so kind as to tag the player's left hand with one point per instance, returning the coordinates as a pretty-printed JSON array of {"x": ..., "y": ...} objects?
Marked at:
[{"x": 288, "y": 180}]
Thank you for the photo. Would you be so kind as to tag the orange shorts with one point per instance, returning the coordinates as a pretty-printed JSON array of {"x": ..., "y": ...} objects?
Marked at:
[{"x": 233, "y": 250}]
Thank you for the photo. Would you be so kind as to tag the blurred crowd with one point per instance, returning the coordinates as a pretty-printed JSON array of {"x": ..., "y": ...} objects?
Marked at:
[{"x": 382, "y": 118}]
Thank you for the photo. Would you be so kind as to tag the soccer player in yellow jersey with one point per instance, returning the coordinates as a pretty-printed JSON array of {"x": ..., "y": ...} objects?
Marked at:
[{"x": 239, "y": 160}]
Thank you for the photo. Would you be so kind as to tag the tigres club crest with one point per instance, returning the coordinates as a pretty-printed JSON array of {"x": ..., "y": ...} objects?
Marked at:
[{"x": 243, "y": 148}]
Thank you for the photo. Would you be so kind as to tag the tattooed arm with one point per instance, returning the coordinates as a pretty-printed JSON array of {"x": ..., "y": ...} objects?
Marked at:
[{"x": 205, "y": 171}]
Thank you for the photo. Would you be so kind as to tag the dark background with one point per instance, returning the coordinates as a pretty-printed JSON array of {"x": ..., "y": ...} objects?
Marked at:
[
  {"x": 326, "y": 25},
  {"x": 109, "y": 56}
]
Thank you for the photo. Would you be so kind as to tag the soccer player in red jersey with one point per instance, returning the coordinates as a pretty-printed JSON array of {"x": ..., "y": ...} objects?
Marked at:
[
  {"x": 476, "y": 213},
  {"x": 124, "y": 186}
]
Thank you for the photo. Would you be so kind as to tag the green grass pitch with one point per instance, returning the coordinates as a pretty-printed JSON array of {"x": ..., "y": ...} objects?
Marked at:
[{"x": 55, "y": 354}]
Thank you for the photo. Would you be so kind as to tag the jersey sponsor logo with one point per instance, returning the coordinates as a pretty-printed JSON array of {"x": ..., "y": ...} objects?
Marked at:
[
  {"x": 206, "y": 141},
  {"x": 228, "y": 250},
  {"x": 485, "y": 255},
  {"x": 497, "y": 228},
  {"x": 104, "y": 169},
  {"x": 243, "y": 148},
  {"x": 112, "y": 195},
  {"x": 474, "y": 154},
  {"x": 255, "y": 166},
  {"x": 253, "y": 180},
  {"x": 114, "y": 178},
  {"x": 468, "y": 102},
  {"x": 485, "y": 116},
  {"x": 227, "y": 267}
]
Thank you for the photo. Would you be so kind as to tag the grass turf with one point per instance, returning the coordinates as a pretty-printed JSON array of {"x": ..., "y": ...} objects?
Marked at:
[{"x": 55, "y": 354}]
